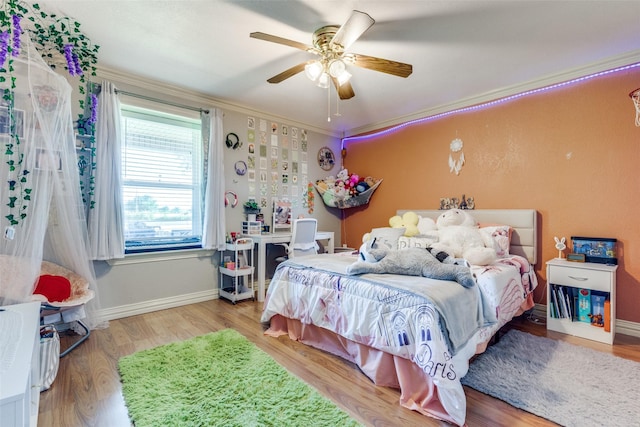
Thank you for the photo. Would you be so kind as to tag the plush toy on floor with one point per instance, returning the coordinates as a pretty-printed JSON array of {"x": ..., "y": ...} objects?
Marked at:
[
  {"x": 410, "y": 262},
  {"x": 460, "y": 237}
]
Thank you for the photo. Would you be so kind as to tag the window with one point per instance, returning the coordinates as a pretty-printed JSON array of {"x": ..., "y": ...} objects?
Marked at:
[{"x": 162, "y": 180}]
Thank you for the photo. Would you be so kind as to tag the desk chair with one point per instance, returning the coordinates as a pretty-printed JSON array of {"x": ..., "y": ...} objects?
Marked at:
[{"x": 303, "y": 239}]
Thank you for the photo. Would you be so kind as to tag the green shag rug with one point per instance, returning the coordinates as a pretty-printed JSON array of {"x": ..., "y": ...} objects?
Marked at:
[{"x": 219, "y": 379}]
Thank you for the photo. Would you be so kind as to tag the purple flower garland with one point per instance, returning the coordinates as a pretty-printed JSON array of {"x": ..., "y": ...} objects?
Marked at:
[
  {"x": 94, "y": 108},
  {"x": 73, "y": 62},
  {"x": 68, "y": 54},
  {"x": 76, "y": 65},
  {"x": 4, "y": 46},
  {"x": 17, "y": 30}
]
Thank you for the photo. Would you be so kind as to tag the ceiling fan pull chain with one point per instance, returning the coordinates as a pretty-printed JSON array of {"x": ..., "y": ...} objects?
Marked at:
[{"x": 329, "y": 104}]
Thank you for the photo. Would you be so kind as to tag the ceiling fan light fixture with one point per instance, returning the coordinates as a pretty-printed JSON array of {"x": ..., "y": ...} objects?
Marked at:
[
  {"x": 313, "y": 70},
  {"x": 330, "y": 43},
  {"x": 343, "y": 78},
  {"x": 337, "y": 67},
  {"x": 323, "y": 80}
]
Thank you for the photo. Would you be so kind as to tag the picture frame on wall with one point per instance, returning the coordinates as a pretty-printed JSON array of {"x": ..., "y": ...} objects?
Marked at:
[
  {"x": 48, "y": 160},
  {"x": 5, "y": 121},
  {"x": 281, "y": 215}
]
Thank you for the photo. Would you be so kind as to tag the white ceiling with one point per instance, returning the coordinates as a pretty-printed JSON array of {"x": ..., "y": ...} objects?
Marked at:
[{"x": 461, "y": 51}]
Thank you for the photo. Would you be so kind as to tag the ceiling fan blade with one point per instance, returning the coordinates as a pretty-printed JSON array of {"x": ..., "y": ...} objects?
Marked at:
[
  {"x": 280, "y": 40},
  {"x": 345, "y": 91},
  {"x": 395, "y": 68},
  {"x": 287, "y": 73},
  {"x": 350, "y": 31}
]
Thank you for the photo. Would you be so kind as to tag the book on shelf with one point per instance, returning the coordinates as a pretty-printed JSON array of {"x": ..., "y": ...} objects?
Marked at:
[
  {"x": 565, "y": 309},
  {"x": 597, "y": 308},
  {"x": 569, "y": 300},
  {"x": 580, "y": 305},
  {"x": 572, "y": 301},
  {"x": 562, "y": 302},
  {"x": 584, "y": 305},
  {"x": 597, "y": 303},
  {"x": 554, "y": 296}
]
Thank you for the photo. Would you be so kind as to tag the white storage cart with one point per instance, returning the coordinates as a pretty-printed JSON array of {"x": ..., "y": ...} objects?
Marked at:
[{"x": 235, "y": 281}]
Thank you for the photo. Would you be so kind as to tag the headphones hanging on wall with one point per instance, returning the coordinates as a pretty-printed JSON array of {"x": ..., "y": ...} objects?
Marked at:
[
  {"x": 233, "y": 141},
  {"x": 234, "y": 202},
  {"x": 240, "y": 167}
]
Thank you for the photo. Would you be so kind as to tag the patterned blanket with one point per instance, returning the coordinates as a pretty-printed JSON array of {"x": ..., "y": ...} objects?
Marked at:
[{"x": 421, "y": 319}]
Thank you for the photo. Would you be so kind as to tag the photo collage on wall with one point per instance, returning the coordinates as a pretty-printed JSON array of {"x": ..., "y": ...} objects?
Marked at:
[{"x": 276, "y": 163}]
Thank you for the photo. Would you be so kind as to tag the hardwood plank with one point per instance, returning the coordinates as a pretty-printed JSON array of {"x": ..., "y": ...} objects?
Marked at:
[{"x": 87, "y": 390}]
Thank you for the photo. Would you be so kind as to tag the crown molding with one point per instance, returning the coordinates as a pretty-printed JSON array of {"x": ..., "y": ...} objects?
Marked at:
[
  {"x": 163, "y": 90},
  {"x": 177, "y": 94}
]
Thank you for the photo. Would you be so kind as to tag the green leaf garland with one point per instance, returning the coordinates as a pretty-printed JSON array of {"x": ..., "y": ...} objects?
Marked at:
[{"x": 62, "y": 44}]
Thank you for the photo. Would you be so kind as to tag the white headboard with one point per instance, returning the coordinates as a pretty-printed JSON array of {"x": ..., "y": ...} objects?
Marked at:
[{"x": 523, "y": 221}]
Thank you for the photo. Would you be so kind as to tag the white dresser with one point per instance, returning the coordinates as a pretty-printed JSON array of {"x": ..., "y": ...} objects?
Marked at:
[{"x": 19, "y": 364}]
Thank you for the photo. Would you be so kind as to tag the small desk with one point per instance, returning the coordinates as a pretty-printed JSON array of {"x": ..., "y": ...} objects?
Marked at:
[{"x": 280, "y": 237}]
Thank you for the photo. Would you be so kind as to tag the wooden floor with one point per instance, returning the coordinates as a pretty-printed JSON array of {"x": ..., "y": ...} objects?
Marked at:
[{"x": 87, "y": 389}]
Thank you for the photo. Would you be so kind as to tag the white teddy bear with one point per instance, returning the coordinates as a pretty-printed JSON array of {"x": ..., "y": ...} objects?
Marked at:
[{"x": 460, "y": 237}]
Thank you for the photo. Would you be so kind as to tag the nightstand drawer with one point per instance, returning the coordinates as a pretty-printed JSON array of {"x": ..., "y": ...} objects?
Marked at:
[{"x": 580, "y": 278}]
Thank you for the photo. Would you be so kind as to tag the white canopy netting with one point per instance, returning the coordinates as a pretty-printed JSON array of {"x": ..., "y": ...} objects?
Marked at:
[{"x": 42, "y": 215}]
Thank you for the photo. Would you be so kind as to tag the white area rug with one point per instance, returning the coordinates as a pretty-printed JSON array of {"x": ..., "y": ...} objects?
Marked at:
[{"x": 567, "y": 384}]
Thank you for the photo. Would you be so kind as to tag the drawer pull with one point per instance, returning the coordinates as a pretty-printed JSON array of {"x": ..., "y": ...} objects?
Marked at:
[{"x": 581, "y": 279}]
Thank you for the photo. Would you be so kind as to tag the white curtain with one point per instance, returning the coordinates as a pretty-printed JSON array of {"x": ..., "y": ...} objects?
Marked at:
[
  {"x": 106, "y": 233},
  {"x": 213, "y": 233}
]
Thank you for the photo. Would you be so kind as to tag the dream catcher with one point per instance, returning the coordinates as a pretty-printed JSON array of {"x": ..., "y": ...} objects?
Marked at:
[
  {"x": 456, "y": 165},
  {"x": 635, "y": 97}
]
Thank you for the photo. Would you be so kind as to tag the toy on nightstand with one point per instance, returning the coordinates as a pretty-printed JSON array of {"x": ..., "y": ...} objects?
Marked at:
[{"x": 560, "y": 246}]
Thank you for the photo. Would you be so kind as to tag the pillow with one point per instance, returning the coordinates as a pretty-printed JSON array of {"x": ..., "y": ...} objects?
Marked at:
[
  {"x": 387, "y": 237},
  {"x": 497, "y": 237},
  {"x": 416, "y": 242},
  {"x": 53, "y": 288}
]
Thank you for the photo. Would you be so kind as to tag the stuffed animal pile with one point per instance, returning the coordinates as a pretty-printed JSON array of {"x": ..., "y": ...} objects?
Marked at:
[
  {"x": 414, "y": 224},
  {"x": 343, "y": 186},
  {"x": 444, "y": 249},
  {"x": 410, "y": 262}
]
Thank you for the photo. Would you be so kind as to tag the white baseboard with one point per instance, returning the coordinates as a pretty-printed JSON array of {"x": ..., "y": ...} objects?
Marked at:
[
  {"x": 627, "y": 328},
  {"x": 623, "y": 327},
  {"x": 155, "y": 305}
]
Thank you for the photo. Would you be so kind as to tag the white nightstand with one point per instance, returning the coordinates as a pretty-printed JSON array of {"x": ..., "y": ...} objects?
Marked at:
[{"x": 566, "y": 278}]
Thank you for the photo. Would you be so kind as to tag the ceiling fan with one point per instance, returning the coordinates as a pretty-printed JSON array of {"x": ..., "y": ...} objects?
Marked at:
[{"x": 330, "y": 44}]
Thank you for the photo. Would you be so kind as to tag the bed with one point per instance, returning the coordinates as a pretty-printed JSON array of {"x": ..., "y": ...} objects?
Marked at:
[{"x": 412, "y": 333}]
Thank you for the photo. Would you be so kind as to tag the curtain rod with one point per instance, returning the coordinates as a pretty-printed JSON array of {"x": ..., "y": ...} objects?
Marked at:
[{"x": 161, "y": 101}]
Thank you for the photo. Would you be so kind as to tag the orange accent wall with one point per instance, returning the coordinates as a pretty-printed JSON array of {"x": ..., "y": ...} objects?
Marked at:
[{"x": 572, "y": 153}]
